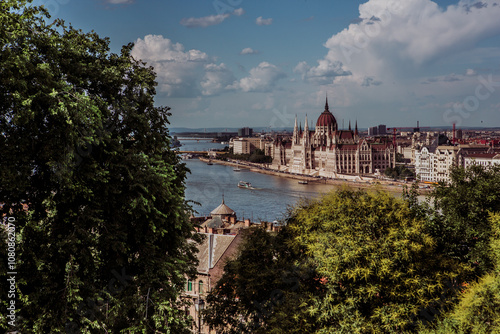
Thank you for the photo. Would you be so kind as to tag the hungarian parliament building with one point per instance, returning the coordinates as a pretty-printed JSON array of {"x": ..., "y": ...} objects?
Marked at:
[{"x": 327, "y": 151}]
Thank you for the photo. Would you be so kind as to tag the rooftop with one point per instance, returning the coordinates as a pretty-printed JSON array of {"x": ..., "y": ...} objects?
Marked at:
[{"x": 222, "y": 209}]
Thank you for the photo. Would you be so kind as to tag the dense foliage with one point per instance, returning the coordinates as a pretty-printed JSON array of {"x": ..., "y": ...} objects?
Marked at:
[
  {"x": 257, "y": 156},
  {"x": 379, "y": 264},
  {"x": 478, "y": 310},
  {"x": 264, "y": 286},
  {"x": 460, "y": 221},
  {"x": 102, "y": 238},
  {"x": 380, "y": 267},
  {"x": 399, "y": 172},
  {"x": 373, "y": 269}
]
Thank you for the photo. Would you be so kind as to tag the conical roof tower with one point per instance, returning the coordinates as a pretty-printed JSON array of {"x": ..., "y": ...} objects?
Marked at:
[{"x": 222, "y": 210}]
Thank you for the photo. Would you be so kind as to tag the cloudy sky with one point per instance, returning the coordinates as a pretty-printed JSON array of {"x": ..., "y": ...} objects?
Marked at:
[{"x": 235, "y": 63}]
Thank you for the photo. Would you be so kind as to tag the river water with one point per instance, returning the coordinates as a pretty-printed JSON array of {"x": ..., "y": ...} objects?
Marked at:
[{"x": 206, "y": 184}]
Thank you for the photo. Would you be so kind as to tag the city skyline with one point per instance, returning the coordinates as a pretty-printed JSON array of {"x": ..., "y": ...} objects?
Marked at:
[{"x": 235, "y": 63}]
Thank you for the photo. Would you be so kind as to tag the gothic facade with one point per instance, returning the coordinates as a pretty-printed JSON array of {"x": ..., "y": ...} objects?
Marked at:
[{"x": 327, "y": 151}]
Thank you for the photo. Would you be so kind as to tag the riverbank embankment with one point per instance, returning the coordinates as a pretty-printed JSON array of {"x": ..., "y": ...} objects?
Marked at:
[{"x": 375, "y": 184}]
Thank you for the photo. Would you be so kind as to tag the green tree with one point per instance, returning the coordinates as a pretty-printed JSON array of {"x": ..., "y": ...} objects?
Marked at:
[
  {"x": 461, "y": 221},
  {"x": 398, "y": 172},
  {"x": 380, "y": 268},
  {"x": 364, "y": 263},
  {"x": 391, "y": 172},
  {"x": 478, "y": 310},
  {"x": 87, "y": 170},
  {"x": 264, "y": 290},
  {"x": 258, "y": 156}
]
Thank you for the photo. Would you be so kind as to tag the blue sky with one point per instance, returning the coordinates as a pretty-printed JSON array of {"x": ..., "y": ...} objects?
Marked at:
[{"x": 236, "y": 63}]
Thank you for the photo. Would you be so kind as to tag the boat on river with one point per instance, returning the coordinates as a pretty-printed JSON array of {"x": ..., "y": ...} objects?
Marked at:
[
  {"x": 245, "y": 185},
  {"x": 303, "y": 182}
]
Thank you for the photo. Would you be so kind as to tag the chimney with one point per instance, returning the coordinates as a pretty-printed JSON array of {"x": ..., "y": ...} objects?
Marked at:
[{"x": 210, "y": 250}]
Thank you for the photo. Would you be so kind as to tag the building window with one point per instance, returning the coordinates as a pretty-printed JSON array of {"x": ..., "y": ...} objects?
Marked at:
[
  {"x": 200, "y": 287},
  {"x": 189, "y": 286}
]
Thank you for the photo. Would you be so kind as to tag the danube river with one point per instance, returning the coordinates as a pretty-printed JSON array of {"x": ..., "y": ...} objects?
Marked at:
[{"x": 268, "y": 202}]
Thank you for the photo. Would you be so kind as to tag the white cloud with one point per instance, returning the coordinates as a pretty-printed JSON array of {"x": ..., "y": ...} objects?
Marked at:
[
  {"x": 262, "y": 78},
  {"x": 190, "y": 73},
  {"x": 408, "y": 55},
  {"x": 470, "y": 72},
  {"x": 157, "y": 48},
  {"x": 392, "y": 36},
  {"x": 248, "y": 51},
  {"x": 206, "y": 21},
  {"x": 217, "y": 79},
  {"x": 178, "y": 71},
  {"x": 239, "y": 12},
  {"x": 263, "y": 22},
  {"x": 322, "y": 74}
]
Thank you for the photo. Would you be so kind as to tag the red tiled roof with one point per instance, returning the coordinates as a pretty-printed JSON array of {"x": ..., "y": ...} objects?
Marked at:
[
  {"x": 346, "y": 134},
  {"x": 326, "y": 118}
]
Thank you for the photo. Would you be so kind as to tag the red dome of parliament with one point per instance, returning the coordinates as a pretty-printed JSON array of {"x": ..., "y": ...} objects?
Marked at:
[{"x": 326, "y": 118}]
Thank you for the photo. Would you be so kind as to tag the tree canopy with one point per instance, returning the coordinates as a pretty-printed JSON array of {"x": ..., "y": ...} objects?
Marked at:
[
  {"x": 478, "y": 309},
  {"x": 380, "y": 268},
  {"x": 371, "y": 268},
  {"x": 460, "y": 219},
  {"x": 264, "y": 290},
  {"x": 87, "y": 170},
  {"x": 378, "y": 263}
]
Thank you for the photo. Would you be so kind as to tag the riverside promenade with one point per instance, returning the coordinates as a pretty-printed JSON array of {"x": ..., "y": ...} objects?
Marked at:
[{"x": 391, "y": 186}]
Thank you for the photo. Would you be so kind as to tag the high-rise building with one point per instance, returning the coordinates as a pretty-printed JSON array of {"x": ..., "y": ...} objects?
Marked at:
[
  {"x": 249, "y": 145},
  {"x": 382, "y": 130},
  {"x": 245, "y": 132},
  {"x": 372, "y": 131}
]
